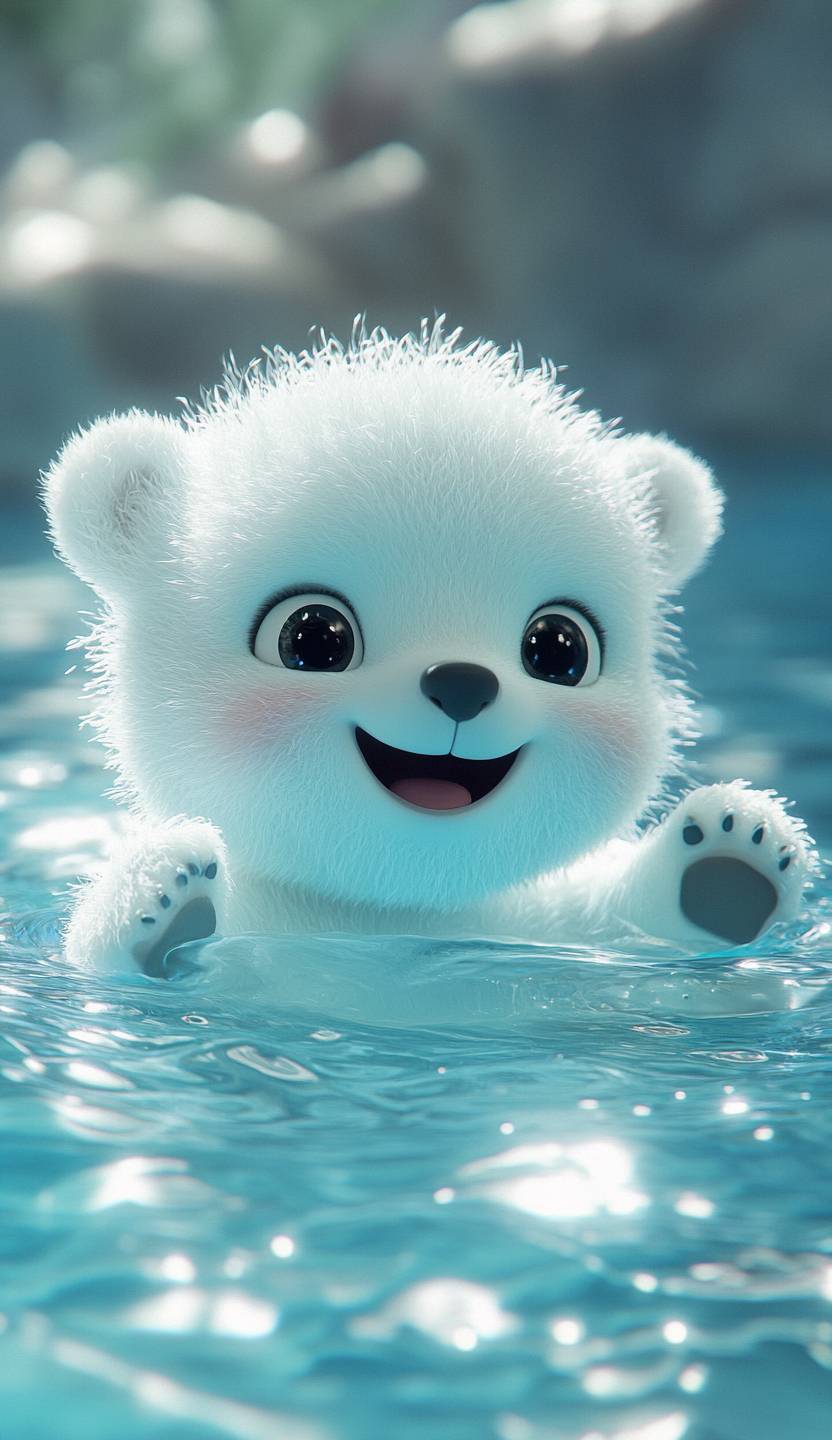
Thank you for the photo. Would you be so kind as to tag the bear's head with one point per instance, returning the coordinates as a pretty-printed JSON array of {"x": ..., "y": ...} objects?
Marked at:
[{"x": 394, "y": 616}]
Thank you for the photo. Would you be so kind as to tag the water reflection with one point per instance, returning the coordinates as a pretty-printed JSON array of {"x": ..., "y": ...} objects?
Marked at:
[
  {"x": 155, "y": 1391},
  {"x": 450, "y": 1311},
  {"x": 231, "y": 1313},
  {"x": 563, "y": 1182},
  {"x": 137, "y": 1180}
]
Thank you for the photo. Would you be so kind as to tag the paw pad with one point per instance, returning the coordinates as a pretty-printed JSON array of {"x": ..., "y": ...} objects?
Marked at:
[
  {"x": 183, "y": 912},
  {"x": 728, "y": 898},
  {"x": 732, "y": 888}
]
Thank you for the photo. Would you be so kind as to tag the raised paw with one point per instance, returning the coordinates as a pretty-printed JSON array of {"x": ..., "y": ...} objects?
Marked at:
[
  {"x": 184, "y": 910},
  {"x": 743, "y": 861},
  {"x": 163, "y": 886}
]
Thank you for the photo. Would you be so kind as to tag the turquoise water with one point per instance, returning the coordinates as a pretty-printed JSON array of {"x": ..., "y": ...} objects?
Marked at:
[{"x": 456, "y": 1191}]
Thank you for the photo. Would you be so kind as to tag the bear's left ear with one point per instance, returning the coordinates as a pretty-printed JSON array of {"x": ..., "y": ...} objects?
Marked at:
[
  {"x": 113, "y": 498},
  {"x": 683, "y": 499}
]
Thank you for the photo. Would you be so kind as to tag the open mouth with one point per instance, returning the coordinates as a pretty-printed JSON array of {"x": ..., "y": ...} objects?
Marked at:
[{"x": 432, "y": 782}]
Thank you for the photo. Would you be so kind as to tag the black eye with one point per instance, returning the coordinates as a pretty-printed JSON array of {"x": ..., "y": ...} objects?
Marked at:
[
  {"x": 561, "y": 646},
  {"x": 308, "y": 633},
  {"x": 316, "y": 637}
]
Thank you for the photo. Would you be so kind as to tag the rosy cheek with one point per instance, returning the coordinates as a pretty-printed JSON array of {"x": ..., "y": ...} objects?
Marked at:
[
  {"x": 266, "y": 716},
  {"x": 617, "y": 731}
]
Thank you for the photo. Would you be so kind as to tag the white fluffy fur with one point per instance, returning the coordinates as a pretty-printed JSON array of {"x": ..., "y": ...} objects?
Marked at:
[
  {"x": 447, "y": 494},
  {"x": 685, "y": 502}
]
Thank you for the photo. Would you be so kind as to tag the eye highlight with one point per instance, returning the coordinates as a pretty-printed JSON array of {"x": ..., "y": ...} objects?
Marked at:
[
  {"x": 562, "y": 646},
  {"x": 308, "y": 631}
]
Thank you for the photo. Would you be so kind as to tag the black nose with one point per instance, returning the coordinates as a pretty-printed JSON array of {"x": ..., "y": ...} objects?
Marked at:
[{"x": 460, "y": 689}]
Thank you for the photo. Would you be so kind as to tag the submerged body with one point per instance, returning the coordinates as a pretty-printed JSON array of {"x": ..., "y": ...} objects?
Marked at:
[{"x": 392, "y": 622}]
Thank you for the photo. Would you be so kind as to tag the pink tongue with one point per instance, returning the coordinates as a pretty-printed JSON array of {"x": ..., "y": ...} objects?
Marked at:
[{"x": 432, "y": 794}]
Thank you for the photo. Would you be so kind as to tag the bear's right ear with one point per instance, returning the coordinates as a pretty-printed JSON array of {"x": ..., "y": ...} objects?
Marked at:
[
  {"x": 113, "y": 496},
  {"x": 684, "y": 502}
]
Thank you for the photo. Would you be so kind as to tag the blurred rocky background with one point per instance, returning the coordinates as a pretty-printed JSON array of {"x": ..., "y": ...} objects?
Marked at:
[{"x": 640, "y": 189}]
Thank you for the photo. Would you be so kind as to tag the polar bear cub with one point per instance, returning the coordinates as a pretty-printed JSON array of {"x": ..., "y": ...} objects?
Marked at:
[{"x": 386, "y": 646}]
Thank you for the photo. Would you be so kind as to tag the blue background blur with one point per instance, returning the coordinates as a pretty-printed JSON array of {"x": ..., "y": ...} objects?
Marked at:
[{"x": 640, "y": 189}]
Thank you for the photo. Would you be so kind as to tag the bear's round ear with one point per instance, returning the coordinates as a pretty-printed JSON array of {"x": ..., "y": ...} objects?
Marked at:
[
  {"x": 112, "y": 497},
  {"x": 683, "y": 501}
]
